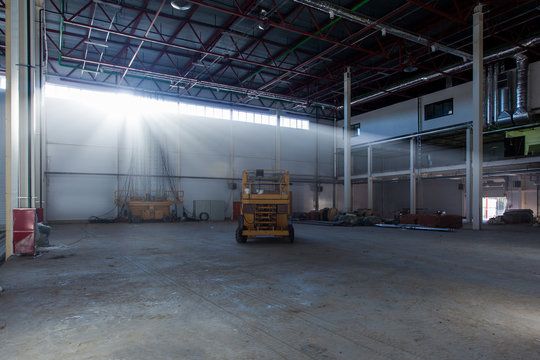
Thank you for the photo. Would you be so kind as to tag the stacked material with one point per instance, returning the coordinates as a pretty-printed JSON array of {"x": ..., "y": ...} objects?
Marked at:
[{"x": 433, "y": 220}]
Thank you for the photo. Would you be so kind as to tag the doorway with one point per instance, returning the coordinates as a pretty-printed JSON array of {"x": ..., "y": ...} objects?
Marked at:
[{"x": 492, "y": 207}]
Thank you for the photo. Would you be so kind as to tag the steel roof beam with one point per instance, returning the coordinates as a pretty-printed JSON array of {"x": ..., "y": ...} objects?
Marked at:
[
  {"x": 142, "y": 42},
  {"x": 354, "y": 17},
  {"x": 186, "y": 48},
  {"x": 196, "y": 82},
  {"x": 280, "y": 26}
]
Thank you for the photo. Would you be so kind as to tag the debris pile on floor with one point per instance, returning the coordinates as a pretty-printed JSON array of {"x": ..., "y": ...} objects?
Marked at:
[
  {"x": 514, "y": 216},
  {"x": 433, "y": 220},
  {"x": 331, "y": 217}
]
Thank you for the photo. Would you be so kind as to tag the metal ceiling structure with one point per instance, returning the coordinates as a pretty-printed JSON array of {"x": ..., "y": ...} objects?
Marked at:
[{"x": 287, "y": 54}]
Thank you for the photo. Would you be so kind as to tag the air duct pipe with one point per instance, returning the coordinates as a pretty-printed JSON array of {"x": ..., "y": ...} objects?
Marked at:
[
  {"x": 489, "y": 96},
  {"x": 485, "y": 102},
  {"x": 446, "y": 72},
  {"x": 521, "y": 114},
  {"x": 505, "y": 103},
  {"x": 495, "y": 94}
]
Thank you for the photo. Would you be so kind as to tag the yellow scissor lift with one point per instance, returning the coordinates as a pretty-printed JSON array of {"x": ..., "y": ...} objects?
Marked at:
[
  {"x": 148, "y": 205},
  {"x": 266, "y": 205}
]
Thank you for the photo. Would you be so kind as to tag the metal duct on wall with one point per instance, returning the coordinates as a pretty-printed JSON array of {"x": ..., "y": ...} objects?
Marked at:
[
  {"x": 494, "y": 94},
  {"x": 521, "y": 115},
  {"x": 445, "y": 72},
  {"x": 505, "y": 102},
  {"x": 489, "y": 96}
]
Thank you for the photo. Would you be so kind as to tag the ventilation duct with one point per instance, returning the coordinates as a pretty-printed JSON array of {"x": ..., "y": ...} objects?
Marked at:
[
  {"x": 503, "y": 88},
  {"x": 489, "y": 95},
  {"x": 522, "y": 82},
  {"x": 494, "y": 94},
  {"x": 485, "y": 115},
  {"x": 446, "y": 72}
]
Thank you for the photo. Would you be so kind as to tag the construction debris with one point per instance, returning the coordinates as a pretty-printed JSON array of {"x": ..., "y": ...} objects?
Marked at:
[
  {"x": 415, "y": 227},
  {"x": 433, "y": 220}
]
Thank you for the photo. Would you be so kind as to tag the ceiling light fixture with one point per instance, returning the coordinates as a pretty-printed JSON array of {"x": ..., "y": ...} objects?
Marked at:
[
  {"x": 410, "y": 68},
  {"x": 180, "y": 5},
  {"x": 264, "y": 17}
]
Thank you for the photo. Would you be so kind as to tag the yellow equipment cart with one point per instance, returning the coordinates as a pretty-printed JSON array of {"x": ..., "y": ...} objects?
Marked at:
[
  {"x": 149, "y": 205},
  {"x": 266, "y": 205}
]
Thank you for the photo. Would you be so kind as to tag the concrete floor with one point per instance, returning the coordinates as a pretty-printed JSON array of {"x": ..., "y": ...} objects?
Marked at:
[{"x": 188, "y": 291}]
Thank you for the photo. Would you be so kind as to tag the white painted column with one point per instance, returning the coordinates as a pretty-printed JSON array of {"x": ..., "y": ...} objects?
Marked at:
[
  {"x": 478, "y": 93},
  {"x": 347, "y": 187},
  {"x": 468, "y": 176},
  {"x": 20, "y": 110},
  {"x": 278, "y": 140},
  {"x": 370, "y": 177},
  {"x": 412, "y": 176}
]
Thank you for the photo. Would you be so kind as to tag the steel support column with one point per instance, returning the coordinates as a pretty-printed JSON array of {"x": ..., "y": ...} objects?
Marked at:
[
  {"x": 412, "y": 177},
  {"x": 477, "y": 154},
  {"x": 370, "y": 177},
  {"x": 20, "y": 101},
  {"x": 278, "y": 139},
  {"x": 468, "y": 177},
  {"x": 347, "y": 198}
]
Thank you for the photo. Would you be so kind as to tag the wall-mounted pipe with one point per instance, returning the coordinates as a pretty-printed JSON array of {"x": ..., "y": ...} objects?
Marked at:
[
  {"x": 454, "y": 69},
  {"x": 521, "y": 114},
  {"x": 335, "y": 10},
  {"x": 489, "y": 95},
  {"x": 505, "y": 102},
  {"x": 495, "y": 94}
]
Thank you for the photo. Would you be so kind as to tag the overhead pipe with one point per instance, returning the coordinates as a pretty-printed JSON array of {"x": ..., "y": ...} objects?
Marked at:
[
  {"x": 522, "y": 82},
  {"x": 445, "y": 72},
  {"x": 335, "y": 10}
]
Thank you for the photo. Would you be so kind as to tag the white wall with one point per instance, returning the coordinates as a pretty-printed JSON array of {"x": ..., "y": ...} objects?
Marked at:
[
  {"x": 87, "y": 148},
  {"x": 391, "y": 121}
]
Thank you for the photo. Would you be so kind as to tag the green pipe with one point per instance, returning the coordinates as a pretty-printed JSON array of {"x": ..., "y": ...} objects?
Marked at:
[
  {"x": 61, "y": 30},
  {"x": 287, "y": 52}
]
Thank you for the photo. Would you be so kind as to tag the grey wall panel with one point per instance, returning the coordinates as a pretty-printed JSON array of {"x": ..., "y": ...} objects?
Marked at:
[
  {"x": 244, "y": 163},
  {"x": 326, "y": 196},
  {"x": 302, "y": 197},
  {"x": 297, "y": 144},
  {"x": 390, "y": 197},
  {"x": 441, "y": 195},
  {"x": 391, "y": 121},
  {"x": 73, "y": 158},
  {"x": 207, "y": 136},
  {"x": 359, "y": 193},
  {"x": 204, "y": 165},
  {"x": 326, "y": 169},
  {"x": 298, "y": 167},
  {"x": 462, "y": 95},
  {"x": 79, "y": 124},
  {"x": 254, "y": 140},
  {"x": 77, "y": 197}
]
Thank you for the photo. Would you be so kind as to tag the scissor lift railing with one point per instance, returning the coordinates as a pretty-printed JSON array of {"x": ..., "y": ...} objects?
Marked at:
[{"x": 266, "y": 208}]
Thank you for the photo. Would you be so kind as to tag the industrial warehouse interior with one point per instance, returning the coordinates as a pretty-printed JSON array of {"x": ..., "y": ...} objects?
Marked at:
[{"x": 269, "y": 179}]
